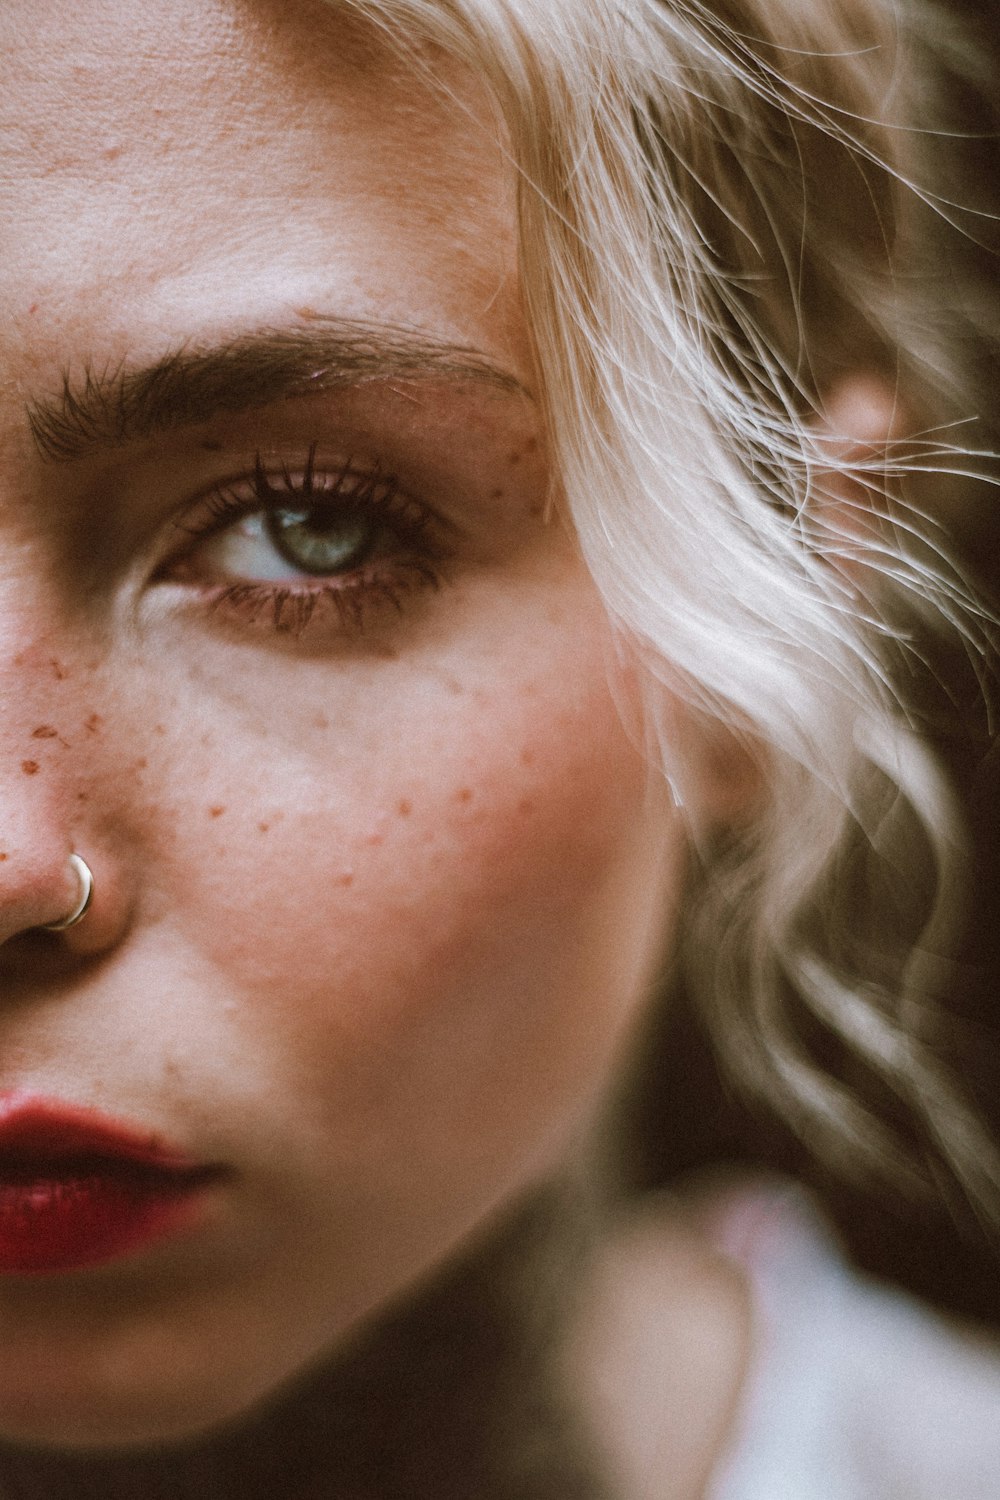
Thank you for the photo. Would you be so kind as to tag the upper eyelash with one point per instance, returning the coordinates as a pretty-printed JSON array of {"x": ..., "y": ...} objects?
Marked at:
[{"x": 369, "y": 489}]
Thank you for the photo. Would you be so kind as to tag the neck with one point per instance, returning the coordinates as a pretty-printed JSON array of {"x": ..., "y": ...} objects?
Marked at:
[{"x": 456, "y": 1394}]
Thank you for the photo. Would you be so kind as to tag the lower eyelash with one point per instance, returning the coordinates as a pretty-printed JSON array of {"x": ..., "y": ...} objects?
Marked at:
[{"x": 292, "y": 609}]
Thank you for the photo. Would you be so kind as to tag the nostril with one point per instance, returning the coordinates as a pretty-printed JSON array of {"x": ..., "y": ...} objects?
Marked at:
[
  {"x": 59, "y": 908},
  {"x": 42, "y": 891},
  {"x": 78, "y": 910}
]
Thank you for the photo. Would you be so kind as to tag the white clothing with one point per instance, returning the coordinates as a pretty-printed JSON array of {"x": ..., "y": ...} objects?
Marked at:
[{"x": 856, "y": 1392}]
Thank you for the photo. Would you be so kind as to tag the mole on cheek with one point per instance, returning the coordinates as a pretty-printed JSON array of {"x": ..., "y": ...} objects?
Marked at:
[{"x": 30, "y": 767}]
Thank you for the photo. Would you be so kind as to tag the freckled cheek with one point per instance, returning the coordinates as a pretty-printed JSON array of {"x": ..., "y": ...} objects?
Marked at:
[{"x": 463, "y": 887}]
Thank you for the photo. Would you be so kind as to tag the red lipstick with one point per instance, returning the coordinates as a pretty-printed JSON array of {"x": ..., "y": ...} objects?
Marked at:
[{"x": 79, "y": 1189}]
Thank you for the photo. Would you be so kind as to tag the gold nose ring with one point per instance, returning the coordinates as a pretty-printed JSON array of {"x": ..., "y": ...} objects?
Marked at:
[{"x": 86, "y": 879}]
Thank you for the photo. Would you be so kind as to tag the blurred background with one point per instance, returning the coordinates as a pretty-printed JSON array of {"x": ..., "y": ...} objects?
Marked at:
[{"x": 691, "y": 1120}]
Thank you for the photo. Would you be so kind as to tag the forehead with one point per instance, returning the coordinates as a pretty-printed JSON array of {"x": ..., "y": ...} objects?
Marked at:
[{"x": 174, "y": 167}]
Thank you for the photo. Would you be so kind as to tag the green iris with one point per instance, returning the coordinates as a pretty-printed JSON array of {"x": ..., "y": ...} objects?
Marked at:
[{"x": 321, "y": 539}]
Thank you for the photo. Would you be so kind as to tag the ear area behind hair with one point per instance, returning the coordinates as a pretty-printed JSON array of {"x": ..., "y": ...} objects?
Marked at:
[{"x": 860, "y": 440}]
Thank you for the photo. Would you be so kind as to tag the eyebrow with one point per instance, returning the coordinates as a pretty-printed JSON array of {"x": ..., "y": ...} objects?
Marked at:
[{"x": 96, "y": 411}]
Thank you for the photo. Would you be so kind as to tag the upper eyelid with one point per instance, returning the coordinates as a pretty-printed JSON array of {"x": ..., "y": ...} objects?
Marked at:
[
  {"x": 218, "y": 506},
  {"x": 281, "y": 470}
]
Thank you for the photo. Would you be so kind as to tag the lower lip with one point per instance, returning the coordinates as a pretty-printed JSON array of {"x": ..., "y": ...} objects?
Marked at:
[{"x": 69, "y": 1216}]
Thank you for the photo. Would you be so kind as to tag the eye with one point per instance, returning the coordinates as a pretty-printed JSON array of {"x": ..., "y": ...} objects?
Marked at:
[
  {"x": 297, "y": 539},
  {"x": 320, "y": 540}
]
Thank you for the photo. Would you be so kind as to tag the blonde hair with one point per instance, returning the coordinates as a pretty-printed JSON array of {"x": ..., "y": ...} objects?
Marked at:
[{"x": 714, "y": 203}]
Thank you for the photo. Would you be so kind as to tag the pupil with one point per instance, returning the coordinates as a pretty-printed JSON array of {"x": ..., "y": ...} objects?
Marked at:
[{"x": 318, "y": 540}]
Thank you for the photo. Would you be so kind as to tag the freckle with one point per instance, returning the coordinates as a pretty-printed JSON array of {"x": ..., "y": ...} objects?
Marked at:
[
  {"x": 93, "y": 722},
  {"x": 496, "y": 494},
  {"x": 2, "y": 856},
  {"x": 83, "y": 797},
  {"x": 525, "y": 806},
  {"x": 211, "y": 445},
  {"x": 44, "y": 732},
  {"x": 159, "y": 729},
  {"x": 58, "y": 669},
  {"x": 463, "y": 795},
  {"x": 216, "y": 812},
  {"x": 531, "y": 445},
  {"x": 536, "y": 510},
  {"x": 32, "y": 309},
  {"x": 515, "y": 458},
  {"x": 29, "y": 767},
  {"x": 527, "y": 757},
  {"x": 454, "y": 687},
  {"x": 347, "y": 878},
  {"x": 405, "y": 807},
  {"x": 308, "y": 314},
  {"x": 141, "y": 763},
  {"x": 375, "y": 839},
  {"x": 320, "y": 721},
  {"x": 263, "y": 827},
  {"x": 112, "y": 153}
]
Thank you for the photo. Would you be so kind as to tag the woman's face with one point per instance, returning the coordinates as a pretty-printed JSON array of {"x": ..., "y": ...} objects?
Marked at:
[{"x": 294, "y": 657}]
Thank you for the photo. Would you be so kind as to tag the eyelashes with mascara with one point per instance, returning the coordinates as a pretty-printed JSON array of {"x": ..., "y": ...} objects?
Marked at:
[{"x": 289, "y": 547}]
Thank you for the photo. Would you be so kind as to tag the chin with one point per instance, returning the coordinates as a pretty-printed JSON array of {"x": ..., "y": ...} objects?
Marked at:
[
  {"x": 97, "y": 1417},
  {"x": 110, "y": 1430}
]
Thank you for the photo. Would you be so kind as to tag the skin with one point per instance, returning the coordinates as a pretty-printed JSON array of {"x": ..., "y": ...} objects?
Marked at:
[{"x": 376, "y": 910}]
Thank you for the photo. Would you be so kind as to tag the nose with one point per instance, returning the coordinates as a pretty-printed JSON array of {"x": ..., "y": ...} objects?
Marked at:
[
  {"x": 43, "y": 884},
  {"x": 46, "y": 813},
  {"x": 60, "y": 878}
]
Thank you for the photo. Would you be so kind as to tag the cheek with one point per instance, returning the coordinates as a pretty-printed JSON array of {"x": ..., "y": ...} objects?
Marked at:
[{"x": 444, "y": 924}]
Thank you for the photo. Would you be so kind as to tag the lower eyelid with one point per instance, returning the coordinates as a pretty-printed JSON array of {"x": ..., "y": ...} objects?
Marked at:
[{"x": 349, "y": 607}]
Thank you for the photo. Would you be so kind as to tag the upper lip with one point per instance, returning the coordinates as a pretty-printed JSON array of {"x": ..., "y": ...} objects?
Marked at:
[{"x": 50, "y": 1131}]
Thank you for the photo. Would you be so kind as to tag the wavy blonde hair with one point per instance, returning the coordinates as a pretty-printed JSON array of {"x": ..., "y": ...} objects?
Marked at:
[{"x": 717, "y": 201}]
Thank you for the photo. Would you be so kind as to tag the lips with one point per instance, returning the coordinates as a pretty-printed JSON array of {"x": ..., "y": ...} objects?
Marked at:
[{"x": 79, "y": 1189}]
